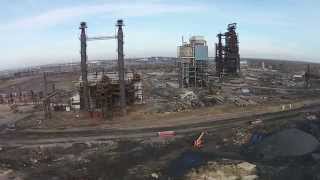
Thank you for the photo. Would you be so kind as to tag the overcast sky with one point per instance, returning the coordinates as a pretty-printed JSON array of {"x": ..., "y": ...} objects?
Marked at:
[{"x": 37, "y": 32}]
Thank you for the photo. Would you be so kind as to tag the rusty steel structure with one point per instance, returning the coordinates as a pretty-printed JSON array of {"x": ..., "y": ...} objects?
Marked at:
[
  {"x": 111, "y": 94},
  {"x": 227, "y": 52},
  {"x": 46, "y": 101},
  {"x": 105, "y": 92},
  {"x": 121, "y": 68},
  {"x": 309, "y": 76},
  {"x": 84, "y": 99}
]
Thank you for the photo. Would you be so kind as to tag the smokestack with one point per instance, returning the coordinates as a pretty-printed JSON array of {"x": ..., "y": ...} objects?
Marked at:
[
  {"x": 121, "y": 68},
  {"x": 84, "y": 71}
]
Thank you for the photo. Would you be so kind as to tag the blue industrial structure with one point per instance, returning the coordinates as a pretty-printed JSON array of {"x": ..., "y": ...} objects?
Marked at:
[
  {"x": 201, "y": 53},
  {"x": 193, "y": 63}
]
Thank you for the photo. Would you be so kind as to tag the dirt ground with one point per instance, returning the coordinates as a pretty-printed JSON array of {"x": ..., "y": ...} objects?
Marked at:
[
  {"x": 162, "y": 158},
  {"x": 163, "y": 103},
  {"x": 62, "y": 81}
]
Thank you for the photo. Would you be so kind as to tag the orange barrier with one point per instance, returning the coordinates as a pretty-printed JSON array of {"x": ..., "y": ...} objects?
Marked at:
[{"x": 166, "y": 133}]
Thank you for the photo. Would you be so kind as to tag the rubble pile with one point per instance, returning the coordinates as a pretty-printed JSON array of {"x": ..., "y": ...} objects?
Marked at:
[
  {"x": 216, "y": 170},
  {"x": 9, "y": 174},
  {"x": 242, "y": 136},
  {"x": 242, "y": 101}
]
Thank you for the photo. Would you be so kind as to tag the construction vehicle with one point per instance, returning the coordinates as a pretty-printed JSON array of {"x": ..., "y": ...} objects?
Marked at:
[{"x": 199, "y": 142}]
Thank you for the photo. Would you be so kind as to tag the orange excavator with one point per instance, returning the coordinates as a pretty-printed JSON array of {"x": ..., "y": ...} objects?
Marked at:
[{"x": 199, "y": 143}]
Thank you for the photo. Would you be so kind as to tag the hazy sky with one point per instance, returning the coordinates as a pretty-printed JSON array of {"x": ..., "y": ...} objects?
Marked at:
[{"x": 45, "y": 31}]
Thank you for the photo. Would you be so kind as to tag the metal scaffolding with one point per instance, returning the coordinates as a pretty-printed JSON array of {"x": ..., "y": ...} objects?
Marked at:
[{"x": 193, "y": 63}]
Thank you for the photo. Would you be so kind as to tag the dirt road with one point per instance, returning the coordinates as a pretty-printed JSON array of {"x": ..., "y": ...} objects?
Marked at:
[{"x": 34, "y": 137}]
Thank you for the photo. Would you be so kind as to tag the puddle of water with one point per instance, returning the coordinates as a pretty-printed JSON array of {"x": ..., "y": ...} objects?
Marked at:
[{"x": 186, "y": 161}]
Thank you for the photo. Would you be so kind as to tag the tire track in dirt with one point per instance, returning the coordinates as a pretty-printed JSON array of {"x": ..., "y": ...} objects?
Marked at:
[{"x": 22, "y": 138}]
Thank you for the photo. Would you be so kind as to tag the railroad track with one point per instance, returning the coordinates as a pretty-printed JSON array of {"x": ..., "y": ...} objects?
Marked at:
[{"x": 29, "y": 138}]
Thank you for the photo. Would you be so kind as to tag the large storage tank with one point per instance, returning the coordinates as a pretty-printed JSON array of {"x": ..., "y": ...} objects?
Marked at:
[
  {"x": 201, "y": 53},
  {"x": 185, "y": 52},
  {"x": 197, "y": 40}
]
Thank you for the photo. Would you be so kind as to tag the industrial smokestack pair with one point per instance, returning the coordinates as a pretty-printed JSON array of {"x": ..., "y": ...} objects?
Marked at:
[{"x": 84, "y": 71}]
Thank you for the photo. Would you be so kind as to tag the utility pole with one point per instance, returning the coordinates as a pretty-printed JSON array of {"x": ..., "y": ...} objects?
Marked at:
[
  {"x": 84, "y": 72},
  {"x": 46, "y": 101},
  {"x": 307, "y": 77},
  {"x": 121, "y": 68}
]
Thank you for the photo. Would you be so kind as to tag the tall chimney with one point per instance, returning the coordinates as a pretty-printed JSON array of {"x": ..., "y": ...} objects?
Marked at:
[
  {"x": 84, "y": 71},
  {"x": 121, "y": 68}
]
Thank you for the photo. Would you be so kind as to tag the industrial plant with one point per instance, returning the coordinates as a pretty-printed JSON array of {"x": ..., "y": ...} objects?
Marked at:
[
  {"x": 186, "y": 117},
  {"x": 105, "y": 92},
  {"x": 227, "y": 52},
  {"x": 193, "y": 63}
]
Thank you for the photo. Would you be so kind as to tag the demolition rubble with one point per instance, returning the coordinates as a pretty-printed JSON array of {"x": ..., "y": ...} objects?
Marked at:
[{"x": 185, "y": 117}]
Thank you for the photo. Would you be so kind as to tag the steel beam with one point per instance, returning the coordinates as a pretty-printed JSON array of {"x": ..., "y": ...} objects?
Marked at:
[{"x": 101, "y": 38}]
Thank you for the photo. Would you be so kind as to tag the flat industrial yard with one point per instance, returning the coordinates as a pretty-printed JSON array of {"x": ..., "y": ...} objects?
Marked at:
[{"x": 239, "y": 115}]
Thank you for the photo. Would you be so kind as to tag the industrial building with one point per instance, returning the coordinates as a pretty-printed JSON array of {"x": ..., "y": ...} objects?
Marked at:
[
  {"x": 227, "y": 52},
  {"x": 104, "y": 92},
  {"x": 193, "y": 63}
]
